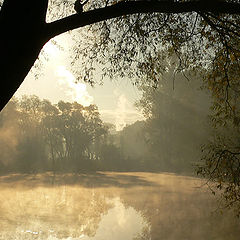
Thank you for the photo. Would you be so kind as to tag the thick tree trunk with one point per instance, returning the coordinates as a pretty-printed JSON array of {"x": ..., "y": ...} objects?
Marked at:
[{"x": 22, "y": 25}]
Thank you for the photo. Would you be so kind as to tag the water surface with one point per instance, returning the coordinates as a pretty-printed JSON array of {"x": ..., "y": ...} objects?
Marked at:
[{"x": 105, "y": 205}]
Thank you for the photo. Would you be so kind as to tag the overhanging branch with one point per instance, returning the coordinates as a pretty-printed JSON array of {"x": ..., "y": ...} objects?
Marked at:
[{"x": 132, "y": 7}]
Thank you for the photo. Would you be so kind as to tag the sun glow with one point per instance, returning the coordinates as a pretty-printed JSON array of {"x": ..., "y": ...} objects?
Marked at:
[
  {"x": 51, "y": 49},
  {"x": 77, "y": 91}
]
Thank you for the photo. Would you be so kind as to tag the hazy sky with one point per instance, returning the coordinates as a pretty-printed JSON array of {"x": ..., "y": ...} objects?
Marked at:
[{"x": 115, "y": 100}]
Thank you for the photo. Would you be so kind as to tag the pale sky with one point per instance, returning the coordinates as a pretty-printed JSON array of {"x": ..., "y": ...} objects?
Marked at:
[{"x": 115, "y": 100}]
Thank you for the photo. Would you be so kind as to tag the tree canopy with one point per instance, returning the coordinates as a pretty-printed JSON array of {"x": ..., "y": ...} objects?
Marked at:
[
  {"x": 127, "y": 38},
  {"x": 45, "y": 136},
  {"x": 136, "y": 39}
]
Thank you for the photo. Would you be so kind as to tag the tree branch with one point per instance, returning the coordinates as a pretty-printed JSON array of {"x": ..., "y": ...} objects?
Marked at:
[{"x": 132, "y": 7}]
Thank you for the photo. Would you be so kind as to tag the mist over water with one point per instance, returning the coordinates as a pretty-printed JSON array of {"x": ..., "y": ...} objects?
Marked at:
[
  {"x": 66, "y": 174},
  {"x": 107, "y": 205}
]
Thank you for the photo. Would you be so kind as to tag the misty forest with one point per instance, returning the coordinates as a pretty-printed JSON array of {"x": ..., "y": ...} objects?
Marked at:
[
  {"x": 41, "y": 136},
  {"x": 66, "y": 173}
]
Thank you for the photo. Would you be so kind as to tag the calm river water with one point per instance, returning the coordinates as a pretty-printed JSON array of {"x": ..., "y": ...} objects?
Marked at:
[{"x": 114, "y": 206}]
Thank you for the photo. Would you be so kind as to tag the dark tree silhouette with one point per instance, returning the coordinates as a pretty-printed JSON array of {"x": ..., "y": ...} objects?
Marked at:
[{"x": 24, "y": 29}]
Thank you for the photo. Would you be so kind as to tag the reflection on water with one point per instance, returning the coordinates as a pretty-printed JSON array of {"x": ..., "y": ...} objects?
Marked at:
[
  {"x": 134, "y": 206},
  {"x": 119, "y": 223}
]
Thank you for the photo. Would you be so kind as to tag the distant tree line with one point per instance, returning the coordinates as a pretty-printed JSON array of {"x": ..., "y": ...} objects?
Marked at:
[
  {"x": 41, "y": 136},
  {"x": 177, "y": 120},
  {"x": 37, "y": 135}
]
